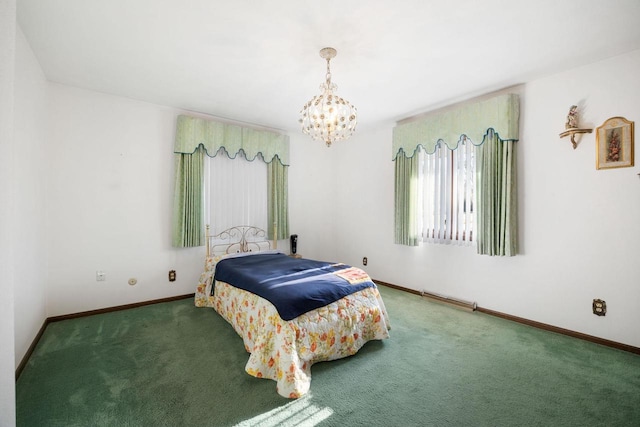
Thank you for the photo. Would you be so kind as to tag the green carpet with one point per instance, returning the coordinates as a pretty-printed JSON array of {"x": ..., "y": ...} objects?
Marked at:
[{"x": 172, "y": 364}]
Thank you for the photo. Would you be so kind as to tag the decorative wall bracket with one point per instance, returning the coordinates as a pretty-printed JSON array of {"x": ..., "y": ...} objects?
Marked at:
[
  {"x": 572, "y": 126},
  {"x": 573, "y": 133}
]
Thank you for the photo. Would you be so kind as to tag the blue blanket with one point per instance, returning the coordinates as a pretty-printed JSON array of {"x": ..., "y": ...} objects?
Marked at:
[{"x": 293, "y": 286}]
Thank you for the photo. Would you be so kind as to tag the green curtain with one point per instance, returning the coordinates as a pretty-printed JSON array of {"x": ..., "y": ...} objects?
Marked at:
[
  {"x": 196, "y": 137},
  {"x": 497, "y": 230},
  {"x": 406, "y": 199},
  {"x": 191, "y": 132},
  {"x": 277, "y": 203},
  {"x": 496, "y": 119},
  {"x": 501, "y": 113},
  {"x": 188, "y": 227}
]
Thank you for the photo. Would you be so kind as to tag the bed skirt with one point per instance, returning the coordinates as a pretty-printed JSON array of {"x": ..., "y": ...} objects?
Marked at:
[{"x": 285, "y": 350}]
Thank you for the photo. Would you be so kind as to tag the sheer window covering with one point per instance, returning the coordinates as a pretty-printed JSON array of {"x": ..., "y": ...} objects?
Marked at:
[
  {"x": 495, "y": 123},
  {"x": 197, "y": 136},
  {"x": 235, "y": 191},
  {"x": 447, "y": 177}
]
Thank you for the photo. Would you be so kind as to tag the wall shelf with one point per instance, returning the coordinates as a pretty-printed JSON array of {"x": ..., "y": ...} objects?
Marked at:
[{"x": 573, "y": 132}]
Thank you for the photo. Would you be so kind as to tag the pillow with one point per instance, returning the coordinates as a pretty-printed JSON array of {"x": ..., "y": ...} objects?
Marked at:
[{"x": 211, "y": 261}]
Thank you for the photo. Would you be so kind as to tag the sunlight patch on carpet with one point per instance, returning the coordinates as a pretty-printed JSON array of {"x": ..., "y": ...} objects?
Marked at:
[{"x": 299, "y": 413}]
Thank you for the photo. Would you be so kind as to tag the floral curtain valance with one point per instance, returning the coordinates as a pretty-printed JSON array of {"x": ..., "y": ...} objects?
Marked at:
[
  {"x": 213, "y": 135},
  {"x": 500, "y": 113}
]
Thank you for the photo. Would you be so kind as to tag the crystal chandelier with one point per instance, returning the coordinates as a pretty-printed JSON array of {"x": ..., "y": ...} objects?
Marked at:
[{"x": 327, "y": 117}]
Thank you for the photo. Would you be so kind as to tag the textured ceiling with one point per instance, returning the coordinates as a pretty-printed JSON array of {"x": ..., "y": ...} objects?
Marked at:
[{"x": 258, "y": 61}]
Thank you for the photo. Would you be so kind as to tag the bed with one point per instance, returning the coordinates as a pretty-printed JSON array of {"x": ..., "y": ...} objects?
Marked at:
[{"x": 252, "y": 286}]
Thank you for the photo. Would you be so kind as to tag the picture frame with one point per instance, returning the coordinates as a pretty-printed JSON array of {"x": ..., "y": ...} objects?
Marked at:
[{"x": 614, "y": 144}]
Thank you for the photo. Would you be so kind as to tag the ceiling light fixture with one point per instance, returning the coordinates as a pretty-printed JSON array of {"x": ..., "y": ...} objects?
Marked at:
[{"x": 327, "y": 117}]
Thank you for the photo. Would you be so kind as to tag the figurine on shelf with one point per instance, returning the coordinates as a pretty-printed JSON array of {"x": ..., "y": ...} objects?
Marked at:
[
  {"x": 572, "y": 118},
  {"x": 571, "y": 126}
]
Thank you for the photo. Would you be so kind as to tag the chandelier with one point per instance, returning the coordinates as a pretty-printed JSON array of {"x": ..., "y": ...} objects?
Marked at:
[{"x": 327, "y": 117}]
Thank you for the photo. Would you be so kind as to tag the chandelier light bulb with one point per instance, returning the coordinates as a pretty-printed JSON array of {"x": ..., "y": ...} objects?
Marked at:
[{"x": 327, "y": 117}]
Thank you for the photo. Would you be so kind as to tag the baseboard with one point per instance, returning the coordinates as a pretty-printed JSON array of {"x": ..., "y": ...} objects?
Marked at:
[
  {"x": 558, "y": 330},
  {"x": 118, "y": 308},
  {"x": 32, "y": 347},
  {"x": 52, "y": 319},
  {"x": 465, "y": 305},
  {"x": 533, "y": 323}
]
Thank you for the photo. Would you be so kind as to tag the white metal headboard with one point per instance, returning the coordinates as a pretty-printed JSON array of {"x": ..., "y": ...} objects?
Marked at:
[{"x": 242, "y": 238}]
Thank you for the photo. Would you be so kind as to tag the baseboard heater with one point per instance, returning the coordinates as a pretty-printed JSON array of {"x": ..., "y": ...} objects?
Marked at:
[{"x": 471, "y": 306}]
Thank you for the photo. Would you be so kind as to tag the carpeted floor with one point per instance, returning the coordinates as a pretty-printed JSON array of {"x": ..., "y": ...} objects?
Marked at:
[{"x": 172, "y": 364}]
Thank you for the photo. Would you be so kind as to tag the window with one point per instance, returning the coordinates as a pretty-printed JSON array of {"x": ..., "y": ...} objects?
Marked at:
[
  {"x": 440, "y": 200},
  {"x": 197, "y": 138},
  {"x": 235, "y": 191},
  {"x": 446, "y": 191}
]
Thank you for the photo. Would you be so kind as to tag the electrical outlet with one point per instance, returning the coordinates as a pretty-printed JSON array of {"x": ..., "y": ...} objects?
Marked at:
[
  {"x": 172, "y": 275},
  {"x": 599, "y": 307},
  {"x": 364, "y": 261},
  {"x": 101, "y": 276}
]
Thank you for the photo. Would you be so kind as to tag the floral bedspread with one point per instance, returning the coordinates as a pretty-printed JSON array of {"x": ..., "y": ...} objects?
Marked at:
[{"x": 285, "y": 350}]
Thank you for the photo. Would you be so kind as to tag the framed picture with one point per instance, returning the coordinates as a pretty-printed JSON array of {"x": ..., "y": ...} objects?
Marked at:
[{"x": 614, "y": 144}]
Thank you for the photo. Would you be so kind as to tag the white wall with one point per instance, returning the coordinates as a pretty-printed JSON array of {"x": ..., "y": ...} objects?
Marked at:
[
  {"x": 7, "y": 182},
  {"x": 30, "y": 167},
  {"x": 110, "y": 196},
  {"x": 311, "y": 183},
  {"x": 579, "y": 227},
  {"x": 343, "y": 211}
]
